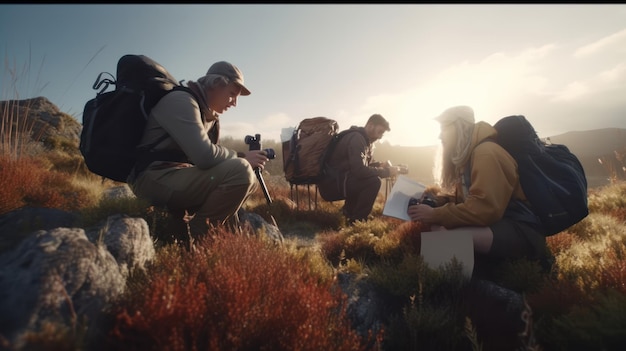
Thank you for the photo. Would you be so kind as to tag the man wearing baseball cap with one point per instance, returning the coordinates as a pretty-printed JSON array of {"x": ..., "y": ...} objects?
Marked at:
[{"x": 183, "y": 168}]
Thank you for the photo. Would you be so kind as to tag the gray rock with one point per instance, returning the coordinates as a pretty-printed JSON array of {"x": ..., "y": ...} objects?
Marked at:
[
  {"x": 64, "y": 275},
  {"x": 45, "y": 117},
  {"x": 127, "y": 239},
  {"x": 365, "y": 308},
  {"x": 261, "y": 226},
  {"x": 119, "y": 192},
  {"x": 54, "y": 276}
]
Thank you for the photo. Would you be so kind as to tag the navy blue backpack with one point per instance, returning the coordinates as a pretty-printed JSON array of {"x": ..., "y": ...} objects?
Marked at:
[{"x": 552, "y": 178}]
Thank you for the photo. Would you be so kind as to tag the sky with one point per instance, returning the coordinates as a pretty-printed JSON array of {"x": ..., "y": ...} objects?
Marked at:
[{"x": 562, "y": 66}]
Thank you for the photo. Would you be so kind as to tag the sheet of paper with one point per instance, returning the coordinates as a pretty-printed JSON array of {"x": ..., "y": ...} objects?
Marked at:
[
  {"x": 286, "y": 134},
  {"x": 440, "y": 247},
  {"x": 398, "y": 199}
]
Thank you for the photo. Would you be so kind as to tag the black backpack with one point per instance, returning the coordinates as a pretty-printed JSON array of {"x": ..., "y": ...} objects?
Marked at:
[
  {"x": 114, "y": 121},
  {"x": 552, "y": 178}
]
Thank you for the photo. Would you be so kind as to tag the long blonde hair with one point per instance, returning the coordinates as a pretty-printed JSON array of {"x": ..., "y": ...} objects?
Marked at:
[{"x": 449, "y": 162}]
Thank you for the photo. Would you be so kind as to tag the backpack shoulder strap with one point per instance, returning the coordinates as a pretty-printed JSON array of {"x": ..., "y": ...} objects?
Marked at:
[
  {"x": 335, "y": 140},
  {"x": 164, "y": 136},
  {"x": 516, "y": 208}
]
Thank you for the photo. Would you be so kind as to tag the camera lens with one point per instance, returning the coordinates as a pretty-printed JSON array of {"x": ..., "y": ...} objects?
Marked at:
[
  {"x": 429, "y": 201},
  {"x": 270, "y": 153}
]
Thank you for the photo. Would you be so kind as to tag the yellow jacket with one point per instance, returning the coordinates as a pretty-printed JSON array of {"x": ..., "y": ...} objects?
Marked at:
[{"x": 494, "y": 182}]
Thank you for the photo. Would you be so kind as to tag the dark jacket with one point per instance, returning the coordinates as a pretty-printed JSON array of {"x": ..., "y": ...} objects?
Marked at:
[{"x": 351, "y": 160}]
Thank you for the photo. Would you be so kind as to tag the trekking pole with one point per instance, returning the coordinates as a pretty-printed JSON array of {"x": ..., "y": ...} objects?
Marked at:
[{"x": 254, "y": 143}]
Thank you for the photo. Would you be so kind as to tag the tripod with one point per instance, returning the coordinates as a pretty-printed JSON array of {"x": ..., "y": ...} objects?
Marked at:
[{"x": 254, "y": 143}]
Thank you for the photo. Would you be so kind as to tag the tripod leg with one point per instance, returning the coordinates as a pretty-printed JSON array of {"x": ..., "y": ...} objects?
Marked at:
[{"x": 266, "y": 193}]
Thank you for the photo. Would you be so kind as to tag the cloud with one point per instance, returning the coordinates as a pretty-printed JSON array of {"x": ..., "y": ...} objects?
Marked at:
[
  {"x": 276, "y": 119},
  {"x": 615, "y": 41},
  {"x": 609, "y": 81},
  {"x": 535, "y": 81},
  {"x": 614, "y": 74},
  {"x": 538, "y": 81},
  {"x": 572, "y": 91},
  {"x": 489, "y": 85}
]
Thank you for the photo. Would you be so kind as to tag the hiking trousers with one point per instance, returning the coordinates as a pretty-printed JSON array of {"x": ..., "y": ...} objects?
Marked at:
[
  {"x": 361, "y": 194},
  {"x": 212, "y": 195}
]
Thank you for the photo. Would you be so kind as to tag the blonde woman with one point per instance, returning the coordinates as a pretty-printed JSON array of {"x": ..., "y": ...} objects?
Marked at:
[{"x": 479, "y": 191}]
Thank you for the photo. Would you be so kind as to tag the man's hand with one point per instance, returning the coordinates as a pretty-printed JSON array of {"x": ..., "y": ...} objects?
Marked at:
[
  {"x": 256, "y": 158},
  {"x": 393, "y": 172}
]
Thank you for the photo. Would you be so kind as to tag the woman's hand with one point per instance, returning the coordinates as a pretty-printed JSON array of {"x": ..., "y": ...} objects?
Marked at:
[{"x": 420, "y": 212}]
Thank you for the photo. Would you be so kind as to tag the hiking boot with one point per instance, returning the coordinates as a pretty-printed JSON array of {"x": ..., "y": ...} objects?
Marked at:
[{"x": 177, "y": 227}]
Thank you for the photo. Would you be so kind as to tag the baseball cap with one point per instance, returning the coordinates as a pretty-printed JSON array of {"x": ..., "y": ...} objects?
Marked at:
[
  {"x": 464, "y": 113},
  {"x": 230, "y": 71}
]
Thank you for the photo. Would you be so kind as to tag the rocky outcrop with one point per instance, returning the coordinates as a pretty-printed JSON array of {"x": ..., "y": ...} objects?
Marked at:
[
  {"x": 42, "y": 117},
  {"x": 61, "y": 274}
]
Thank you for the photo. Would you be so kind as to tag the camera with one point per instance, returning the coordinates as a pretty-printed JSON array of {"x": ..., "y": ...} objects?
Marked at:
[
  {"x": 403, "y": 169},
  {"x": 255, "y": 144},
  {"x": 427, "y": 200}
]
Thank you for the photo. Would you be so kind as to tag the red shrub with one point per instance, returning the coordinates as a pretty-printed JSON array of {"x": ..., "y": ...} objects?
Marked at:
[
  {"x": 557, "y": 297},
  {"x": 332, "y": 245},
  {"x": 560, "y": 242},
  {"x": 234, "y": 293},
  {"x": 614, "y": 273},
  {"x": 619, "y": 213},
  {"x": 25, "y": 182},
  {"x": 408, "y": 235}
]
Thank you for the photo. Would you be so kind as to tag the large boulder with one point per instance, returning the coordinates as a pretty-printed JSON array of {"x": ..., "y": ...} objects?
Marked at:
[
  {"x": 45, "y": 118},
  {"x": 63, "y": 274}
]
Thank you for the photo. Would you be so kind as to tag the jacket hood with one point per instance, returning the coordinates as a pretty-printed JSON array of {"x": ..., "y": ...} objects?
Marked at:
[{"x": 482, "y": 131}]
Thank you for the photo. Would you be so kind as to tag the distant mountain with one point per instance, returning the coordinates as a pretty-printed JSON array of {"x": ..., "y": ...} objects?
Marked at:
[
  {"x": 607, "y": 144},
  {"x": 593, "y": 142}
]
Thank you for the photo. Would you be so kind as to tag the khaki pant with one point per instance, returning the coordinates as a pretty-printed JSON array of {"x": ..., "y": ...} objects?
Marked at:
[{"x": 214, "y": 195}]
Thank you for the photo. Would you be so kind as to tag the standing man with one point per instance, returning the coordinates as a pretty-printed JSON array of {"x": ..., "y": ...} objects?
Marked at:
[
  {"x": 351, "y": 173},
  {"x": 187, "y": 171}
]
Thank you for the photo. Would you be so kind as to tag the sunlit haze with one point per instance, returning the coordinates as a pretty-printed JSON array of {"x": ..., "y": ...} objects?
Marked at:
[{"x": 562, "y": 66}]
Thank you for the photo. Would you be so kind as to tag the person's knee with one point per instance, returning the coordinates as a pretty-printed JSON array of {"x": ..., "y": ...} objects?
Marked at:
[
  {"x": 376, "y": 183},
  {"x": 370, "y": 185},
  {"x": 241, "y": 172}
]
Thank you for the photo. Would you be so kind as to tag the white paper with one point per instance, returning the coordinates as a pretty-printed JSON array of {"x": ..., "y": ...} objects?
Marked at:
[
  {"x": 398, "y": 199},
  {"x": 440, "y": 247},
  {"x": 286, "y": 133}
]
